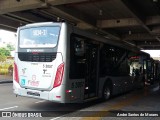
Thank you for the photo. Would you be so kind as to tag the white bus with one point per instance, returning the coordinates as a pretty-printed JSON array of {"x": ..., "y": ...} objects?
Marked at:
[{"x": 60, "y": 63}]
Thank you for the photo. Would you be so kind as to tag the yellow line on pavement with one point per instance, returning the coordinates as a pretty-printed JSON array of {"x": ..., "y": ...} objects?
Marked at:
[{"x": 104, "y": 112}]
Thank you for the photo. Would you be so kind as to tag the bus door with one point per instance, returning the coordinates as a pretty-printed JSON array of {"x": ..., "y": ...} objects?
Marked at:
[{"x": 91, "y": 71}]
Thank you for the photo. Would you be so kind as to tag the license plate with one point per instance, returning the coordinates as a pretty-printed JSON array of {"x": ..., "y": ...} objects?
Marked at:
[{"x": 33, "y": 93}]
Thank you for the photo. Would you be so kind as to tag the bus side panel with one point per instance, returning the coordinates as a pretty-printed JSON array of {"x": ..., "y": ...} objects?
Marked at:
[
  {"x": 119, "y": 84},
  {"x": 75, "y": 90},
  {"x": 122, "y": 84}
]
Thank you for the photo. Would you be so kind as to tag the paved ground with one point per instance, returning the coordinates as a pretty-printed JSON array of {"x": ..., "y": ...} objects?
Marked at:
[{"x": 137, "y": 102}]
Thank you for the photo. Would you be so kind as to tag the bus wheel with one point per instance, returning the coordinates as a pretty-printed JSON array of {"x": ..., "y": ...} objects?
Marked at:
[{"x": 106, "y": 93}]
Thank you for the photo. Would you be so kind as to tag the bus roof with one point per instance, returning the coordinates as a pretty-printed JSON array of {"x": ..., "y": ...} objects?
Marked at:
[{"x": 41, "y": 24}]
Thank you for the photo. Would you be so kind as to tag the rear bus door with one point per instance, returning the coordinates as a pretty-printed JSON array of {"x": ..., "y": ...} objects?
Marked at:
[{"x": 91, "y": 71}]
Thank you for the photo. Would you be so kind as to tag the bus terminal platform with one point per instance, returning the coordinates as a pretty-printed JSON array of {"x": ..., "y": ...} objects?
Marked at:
[{"x": 140, "y": 104}]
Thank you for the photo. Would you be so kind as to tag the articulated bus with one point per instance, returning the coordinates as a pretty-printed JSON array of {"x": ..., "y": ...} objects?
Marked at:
[{"x": 60, "y": 63}]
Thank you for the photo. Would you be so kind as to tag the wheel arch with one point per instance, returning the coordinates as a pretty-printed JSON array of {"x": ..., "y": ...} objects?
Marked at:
[{"x": 108, "y": 82}]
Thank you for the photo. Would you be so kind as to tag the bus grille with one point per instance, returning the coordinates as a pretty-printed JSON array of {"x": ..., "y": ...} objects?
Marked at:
[{"x": 40, "y": 57}]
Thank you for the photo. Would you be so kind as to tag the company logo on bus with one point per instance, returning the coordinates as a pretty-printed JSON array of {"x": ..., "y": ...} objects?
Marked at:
[
  {"x": 35, "y": 50},
  {"x": 33, "y": 83},
  {"x": 46, "y": 71},
  {"x": 23, "y": 82}
]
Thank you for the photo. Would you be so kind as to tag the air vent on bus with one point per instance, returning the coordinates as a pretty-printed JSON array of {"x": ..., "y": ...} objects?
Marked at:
[{"x": 39, "y": 57}]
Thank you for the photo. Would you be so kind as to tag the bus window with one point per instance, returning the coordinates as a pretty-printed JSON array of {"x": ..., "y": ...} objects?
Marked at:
[
  {"x": 77, "y": 58},
  {"x": 79, "y": 47},
  {"x": 113, "y": 61},
  {"x": 39, "y": 37},
  {"x": 106, "y": 60}
]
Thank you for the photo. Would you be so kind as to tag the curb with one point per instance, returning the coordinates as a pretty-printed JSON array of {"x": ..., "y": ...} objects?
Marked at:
[{"x": 5, "y": 81}]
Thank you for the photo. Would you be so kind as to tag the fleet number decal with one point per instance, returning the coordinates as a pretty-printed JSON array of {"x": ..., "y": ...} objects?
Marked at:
[{"x": 77, "y": 84}]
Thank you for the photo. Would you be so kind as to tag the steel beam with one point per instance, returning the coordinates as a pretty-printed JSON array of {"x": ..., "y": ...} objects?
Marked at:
[
  {"x": 140, "y": 17},
  {"x": 7, "y": 6},
  {"x": 127, "y": 22},
  {"x": 27, "y": 16},
  {"x": 144, "y": 44},
  {"x": 8, "y": 23},
  {"x": 60, "y": 2},
  {"x": 138, "y": 37},
  {"x": 156, "y": 31},
  {"x": 82, "y": 20},
  {"x": 153, "y": 20}
]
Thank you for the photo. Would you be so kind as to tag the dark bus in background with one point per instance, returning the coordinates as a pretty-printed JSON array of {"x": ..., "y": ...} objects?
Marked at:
[
  {"x": 145, "y": 69},
  {"x": 153, "y": 71}
]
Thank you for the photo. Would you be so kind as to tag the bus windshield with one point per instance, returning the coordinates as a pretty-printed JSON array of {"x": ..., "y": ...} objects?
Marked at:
[{"x": 39, "y": 37}]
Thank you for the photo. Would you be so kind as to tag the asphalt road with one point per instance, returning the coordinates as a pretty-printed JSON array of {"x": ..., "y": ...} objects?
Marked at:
[
  {"x": 9, "y": 102},
  {"x": 139, "y": 100}
]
